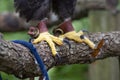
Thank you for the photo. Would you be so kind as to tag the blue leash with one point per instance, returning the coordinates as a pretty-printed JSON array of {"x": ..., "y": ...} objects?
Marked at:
[{"x": 33, "y": 50}]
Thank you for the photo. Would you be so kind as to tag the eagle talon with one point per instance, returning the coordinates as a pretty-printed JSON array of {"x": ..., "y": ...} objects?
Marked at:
[
  {"x": 79, "y": 37},
  {"x": 50, "y": 39},
  {"x": 58, "y": 57},
  {"x": 38, "y": 36},
  {"x": 66, "y": 41},
  {"x": 31, "y": 40},
  {"x": 82, "y": 37}
]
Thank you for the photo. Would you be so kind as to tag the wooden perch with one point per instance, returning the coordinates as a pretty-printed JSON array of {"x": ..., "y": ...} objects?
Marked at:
[{"x": 17, "y": 59}]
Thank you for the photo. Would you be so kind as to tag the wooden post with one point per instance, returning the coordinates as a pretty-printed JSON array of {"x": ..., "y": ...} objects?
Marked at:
[{"x": 107, "y": 69}]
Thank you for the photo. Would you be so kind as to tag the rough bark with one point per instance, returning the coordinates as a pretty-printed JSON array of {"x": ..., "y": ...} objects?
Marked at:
[{"x": 17, "y": 59}]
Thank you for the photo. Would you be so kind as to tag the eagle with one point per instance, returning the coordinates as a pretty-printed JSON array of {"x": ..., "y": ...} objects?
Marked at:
[{"x": 39, "y": 10}]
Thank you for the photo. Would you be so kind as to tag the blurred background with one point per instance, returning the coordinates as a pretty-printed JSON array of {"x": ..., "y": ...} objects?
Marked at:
[{"x": 91, "y": 15}]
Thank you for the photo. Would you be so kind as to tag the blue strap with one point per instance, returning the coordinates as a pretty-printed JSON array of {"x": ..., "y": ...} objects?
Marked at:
[{"x": 36, "y": 55}]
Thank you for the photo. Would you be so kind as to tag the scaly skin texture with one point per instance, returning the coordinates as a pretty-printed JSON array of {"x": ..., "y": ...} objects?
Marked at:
[
  {"x": 66, "y": 30},
  {"x": 76, "y": 37},
  {"x": 50, "y": 39},
  {"x": 41, "y": 34}
]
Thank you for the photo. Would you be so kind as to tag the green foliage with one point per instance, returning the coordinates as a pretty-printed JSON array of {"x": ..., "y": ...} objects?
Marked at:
[
  {"x": 6, "y": 5},
  {"x": 16, "y": 35},
  {"x": 81, "y": 24},
  {"x": 8, "y": 77},
  {"x": 69, "y": 72}
]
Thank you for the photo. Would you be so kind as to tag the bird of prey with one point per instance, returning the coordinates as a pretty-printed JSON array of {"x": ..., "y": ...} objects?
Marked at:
[{"x": 38, "y": 10}]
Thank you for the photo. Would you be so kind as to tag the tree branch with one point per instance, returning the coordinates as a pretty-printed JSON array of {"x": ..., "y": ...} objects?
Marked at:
[{"x": 17, "y": 59}]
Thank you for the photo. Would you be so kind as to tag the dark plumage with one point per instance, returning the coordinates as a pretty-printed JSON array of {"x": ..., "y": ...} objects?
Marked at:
[
  {"x": 64, "y": 8},
  {"x": 39, "y": 9}
]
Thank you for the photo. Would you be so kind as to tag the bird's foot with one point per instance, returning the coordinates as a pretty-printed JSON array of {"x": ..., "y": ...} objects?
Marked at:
[
  {"x": 40, "y": 33},
  {"x": 50, "y": 39},
  {"x": 78, "y": 37},
  {"x": 66, "y": 30}
]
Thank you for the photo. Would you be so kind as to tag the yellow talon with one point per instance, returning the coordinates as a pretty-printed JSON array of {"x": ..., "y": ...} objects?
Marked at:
[
  {"x": 50, "y": 39},
  {"x": 76, "y": 37}
]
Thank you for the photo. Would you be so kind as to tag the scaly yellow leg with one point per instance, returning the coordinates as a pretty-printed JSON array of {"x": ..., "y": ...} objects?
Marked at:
[
  {"x": 76, "y": 37},
  {"x": 50, "y": 39}
]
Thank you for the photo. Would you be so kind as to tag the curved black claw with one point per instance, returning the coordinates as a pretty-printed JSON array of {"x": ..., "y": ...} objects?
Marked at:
[
  {"x": 58, "y": 57},
  {"x": 67, "y": 41},
  {"x": 59, "y": 60},
  {"x": 82, "y": 37},
  {"x": 30, "y": 40}
]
